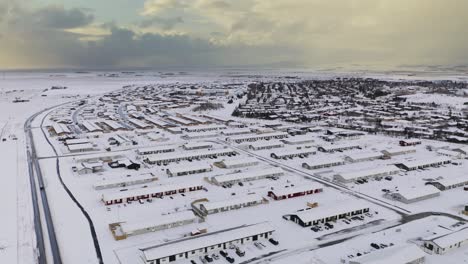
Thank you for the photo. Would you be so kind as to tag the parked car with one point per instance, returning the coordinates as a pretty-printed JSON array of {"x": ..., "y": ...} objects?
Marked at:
[
  {"x": 229, "y": 259},
  {"x": 193, "y": 261},
  {"x": 274, "y": 242},
  {"x": 240, "y": 252},
  {"x": 208, "y": 258},
  {"x": 223, "y": 253}
]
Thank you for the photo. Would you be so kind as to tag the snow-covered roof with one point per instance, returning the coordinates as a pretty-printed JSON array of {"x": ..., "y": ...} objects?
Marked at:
[
  {"x": 239, "y": 161},
  {"x": 84, "y": 146},
  {"x": 205, "y": 240},
  {"x": 187, "y": 155},
  {"x": 189, "y": 167},
  {"x": 450, "y": 239},
  {"x": 317, "y": 163},
  {"x": 406, "y": 253},
  {"x": 232, "y": 202},
  {"x": 425, "y": 162},
  {"x": 453, "y": 181},
  {"x": 249, "y": 175},
  {"x": 417, "y": 192},
  {"x": 369, "y": 173},
  {"x": 364, "y": 155},
  {"x": 313, "y": 214},
  {"x": 130, "y": 227},
  {"x": 297, "y": 189}
]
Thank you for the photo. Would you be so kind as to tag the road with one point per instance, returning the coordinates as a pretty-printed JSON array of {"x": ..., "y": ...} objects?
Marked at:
[{"x": 35, "y": 170}]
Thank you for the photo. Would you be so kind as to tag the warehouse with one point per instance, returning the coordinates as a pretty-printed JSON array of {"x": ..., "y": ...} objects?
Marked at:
[
  {"x": 175, "y": 157},
  {"x": 188, "y": 169},
  {"x": 348, "y": 177},
  {"x": 88, "y": 167},
  {"x": 407, "y": 253},
  {"x": 411, "y": 195},
  {"x": 123, "y": 230},
  {"x": 450, "y": 183},
  {"x": 231, "y": 204},
  {"x": 441, "y": 244},
  {"x": 256, "y": 137},
  {"x": 289, "y": 154},
  {"x": 150, "y": 192},
  {"x": 197, "y": 145},
  {"x": 360, "y": 157},
  {"x": 237, "y": 163},
  {"x": 291, "y": 192},
  {"x": 265, "y": 145},
  {"x": 338, "y": 148},
  {"x": 124, "y": 182},
  {"x": 422, "y": 164},
  {"x": 332, "y": 162},
  {"x": 206, "y": 243},
  {"x": 156, "y": 150},
  {"x": 85, "y": 147},
  {"x": 247, "y": 176},
  {"x": 450, "y": 153},
  {"x": 320, "y": 215}
]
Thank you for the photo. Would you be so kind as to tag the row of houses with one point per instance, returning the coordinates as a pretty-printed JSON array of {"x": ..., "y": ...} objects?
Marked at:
[
  {"x": 150, "y": 192},
  {"x": 192, "y": 155},
  {"x": 423, "y": 164},
  {"x": 257, "y": 137},
  {"x": 297, "y": 191},
  {"x": 205, "y": 243},
  {"x": 208, "y": 208},
  {"x": 234, "y": 178}
]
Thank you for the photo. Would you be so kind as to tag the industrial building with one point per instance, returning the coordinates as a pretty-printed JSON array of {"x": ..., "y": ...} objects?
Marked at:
[
  {"x": 348, "y": 177},
  {"x": 337, "y": 147},
  {"x": 450, "y": 183},
  {"x": 441, "y": 244},
  {"x": 196, "y": 168},
  {"x": 422, "y": 164},
  {"x": 236, "y": 163},
  {"x": 231, "y": 204},
  {"x": 411, "y": 195},
  {"x": 293, "y": 153},
  {"x": 313, "y": 165},
  {"x": 407, "y": 253}
]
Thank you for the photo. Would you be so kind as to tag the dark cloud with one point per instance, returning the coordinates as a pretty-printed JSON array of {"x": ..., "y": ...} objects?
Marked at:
[
  {"x": 61, "y": 18},
  {"x": 163, "y": 23}
]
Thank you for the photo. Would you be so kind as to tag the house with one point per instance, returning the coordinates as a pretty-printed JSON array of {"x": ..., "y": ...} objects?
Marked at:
[
  {"x": 320, "y": 215},
  {"x": 123, "y": 230},
  {"x": 156, "y": 150},
  {"x": 291, "y": 192},
  {"x": 398, "y": 151},
  {"x": 347, "y": 177},
  {"x": 422, "y": 164},
  {"x": 293, "y": 153},
  {"x": 89, "y": 167},
  {"x": 257, "y": 137},
  {"x": 196, "y": 168},
  {"x": 409, "y": 195},
  {"x": 313, "y": 165},
  {"x": 147, "y": 193},
  {"x": 206, "y": 243},
  {"x": 192, "y": 155},
  {"x": 265, "y": 145},
  {"x": 197, "y": 145},
  {"x": 231, "y": 204},
  {"x": 366, "y": 156},
  {"x": 236, "y": 163},
  {"x": 406, "y": 253},
  {"x": 441, "y": 244},
  {"x": 298, "y": 140},
  {"x": 124, "y": 182},
  {"x": 247, "y": 176},
  {"x": 450, "y": 183},
  {"x": 337, "y": 147},
  {"x": 409, "y": 142}
]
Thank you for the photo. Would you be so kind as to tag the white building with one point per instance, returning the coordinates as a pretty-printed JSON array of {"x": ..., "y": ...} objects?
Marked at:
[
  {"x": 231, "y": 204},
  {"x": 235, "y": 163},
  {"x": 366, "y": 156},
  {"x": 156, "y": 150},
  {"x": 398, "y": 151},
  {"x": 422, "y": 164},
  {"x": 293, "y": 153},
  {"x": 407, "y": 254},
  {"x": 257, "y": 137},
  {"x": 450, "y": 183},
  {"x": 332, "y": 162},
  {"x": 247, "y": 176},
  {"x": 196, "y": 168},
  {"x": 197, "y": 145},
  {"x": 206, "y": 243},
  {"x": 441, "y": 244},
  {"x": 179, "y": 156},
  {"x": 366, "y": 174},
  {"x": 124, "y": 182},
  {"x": 265, "y": 145},
  {"x": 411, "y": 195},
  {"x": 337, "y": 147}
]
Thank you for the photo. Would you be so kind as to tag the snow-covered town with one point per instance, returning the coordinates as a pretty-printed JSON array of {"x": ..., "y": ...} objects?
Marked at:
[
  {"x": 216, "y": 168},
  {"x": 233, "y": 131}
]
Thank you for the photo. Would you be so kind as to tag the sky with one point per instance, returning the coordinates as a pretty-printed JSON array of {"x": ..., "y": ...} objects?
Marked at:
[{"x": 124, "y": 34}]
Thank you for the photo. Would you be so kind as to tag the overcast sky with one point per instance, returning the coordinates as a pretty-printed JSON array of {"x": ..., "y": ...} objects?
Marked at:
[{"x": 218, "y": 33}]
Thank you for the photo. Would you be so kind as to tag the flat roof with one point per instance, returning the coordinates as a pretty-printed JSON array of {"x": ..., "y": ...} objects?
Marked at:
[
  {"x": 321, "y": 212},
  {"x": 185, "y": 155},
  {"x": 425, "y": 162},
  {"x": 395, "y": 254},
  {"x": 130, "y": 227},
  {"x": 453, "y": 181},
  {"x": 231, "y": 202},
  {"x": 248, "y": 174},
  {"x": 414, "y": 193},
  {"x": 451, "y": 238},
  {"x": 296, "y": 189},
  {"x": 205, "y": 240},
  {"x": 239, "y": 161},
  {"x": 369, "y": 173},
  {"x": 189, "y": 167},
  {"x": 81, "y": 146}
]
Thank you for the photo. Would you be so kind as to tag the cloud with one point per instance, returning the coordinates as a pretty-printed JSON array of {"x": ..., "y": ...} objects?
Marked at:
[
  {"x": 60, "y": 18},
  {"x": 154, "y": 7},
  {"x": 163, "y": 23}
]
